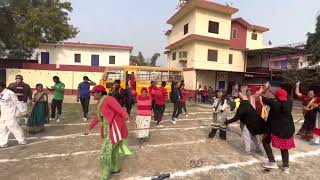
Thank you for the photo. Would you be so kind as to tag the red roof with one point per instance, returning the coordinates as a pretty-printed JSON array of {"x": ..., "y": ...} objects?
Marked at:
[
  {"x": 93, "y": 45},
  {"x": 250, "y": 26},
  {"x": 205, "y": 4}
]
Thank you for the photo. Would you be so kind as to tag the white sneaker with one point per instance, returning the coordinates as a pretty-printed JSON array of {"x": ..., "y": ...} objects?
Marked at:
[
  {"x": 187, "y": 115},
  {"x": 160, "y": 126},
  {"x": 4, "y": 146},
  {"x": 84, "y": 119},
  {"x": 270, "y": 165},
  {"x": 286, "y": 170},
  {"x": 173, "y": 122},
  {"x": 23, "y": 142},
  {"x": 58, "y": 120}
]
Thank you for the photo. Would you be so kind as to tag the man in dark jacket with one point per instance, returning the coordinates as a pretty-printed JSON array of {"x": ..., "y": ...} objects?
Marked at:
[
  {"x": 176, "y": 98},
  {"x": 23, "y": 92},
  {"x": 253, "y": 121}
]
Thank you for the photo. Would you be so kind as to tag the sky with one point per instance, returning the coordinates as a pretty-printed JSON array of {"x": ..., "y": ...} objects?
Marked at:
[{"x": 142, "y": 23}]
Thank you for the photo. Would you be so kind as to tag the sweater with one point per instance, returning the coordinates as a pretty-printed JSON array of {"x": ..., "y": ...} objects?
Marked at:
[
  {"x": 184, "y": 95},
  {"x": 161, "y": 96},
  {"x": 280, "y": 121},
  {"x": 250, "y": 117},
  {"x": 114, "y": 114},
  {"x": 144, "y": 106}
]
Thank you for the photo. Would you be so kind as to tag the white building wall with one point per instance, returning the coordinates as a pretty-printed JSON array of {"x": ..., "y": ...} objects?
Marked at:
[
  {"x": 255, "y": 44},
  {"x": 64, "y": 55},
  {"x": 202, "y": 23}
]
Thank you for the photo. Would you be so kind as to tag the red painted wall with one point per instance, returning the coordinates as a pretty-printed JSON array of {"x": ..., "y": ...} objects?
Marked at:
[{"x": 241, "y": 41}]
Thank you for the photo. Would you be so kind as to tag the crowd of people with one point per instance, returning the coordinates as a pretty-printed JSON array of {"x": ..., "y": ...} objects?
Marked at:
[
  {"x": 264, "y": 113},
  {"x": 276, "y": 126}
]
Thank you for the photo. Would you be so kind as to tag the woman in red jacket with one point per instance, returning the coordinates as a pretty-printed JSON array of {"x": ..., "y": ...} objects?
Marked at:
[
  {"x": 114, "y": 131},
  {"x": 184, "y": 95}
]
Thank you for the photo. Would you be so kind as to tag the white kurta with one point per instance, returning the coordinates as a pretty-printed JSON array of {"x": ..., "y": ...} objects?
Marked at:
[{"x": 10, "y": 107}]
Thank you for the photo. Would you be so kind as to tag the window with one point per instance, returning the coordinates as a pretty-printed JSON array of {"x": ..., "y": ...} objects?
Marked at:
[
  {"x": 230, "y": 58},
  {"x": 112, "y": 60},
  {"x": 77, "y": 58},
  {"x": 174, "y": 56},
  {"x": 94, "y": 60},
  {"x": 183, "y": 54},
  {"x": 234, "y": 33},
  {"x": 254, "y": 36},
  {"x": 213, "y": 27},
  {"x": 186, "y": 29},
  {"x": 212, "y": 55},
  {"x": 44, "y": 57}
]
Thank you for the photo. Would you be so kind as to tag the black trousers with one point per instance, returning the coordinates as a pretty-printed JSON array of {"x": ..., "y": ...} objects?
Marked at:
[
  {"x": 154, "y": 109},
  {"x": 184, "y": 107},
  {"x": 159, "y": 112},
  {"x": 177, "y": 109},
  {"x": 85, "y": 105},
  {"x": 56, "y": 104},
  {"x": 129, "y": 107},
  {"x": 284, "y": 153}
]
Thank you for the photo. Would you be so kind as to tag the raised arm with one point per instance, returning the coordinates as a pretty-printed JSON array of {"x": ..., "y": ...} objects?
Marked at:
[
  {"x": 297, "y": 90},
  {"x": 240, "y": 94}
]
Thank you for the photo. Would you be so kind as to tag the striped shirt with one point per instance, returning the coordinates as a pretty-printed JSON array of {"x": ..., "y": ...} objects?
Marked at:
[
  {"x": 19, "y": 92},
  {"x": 144, "y": 106}
]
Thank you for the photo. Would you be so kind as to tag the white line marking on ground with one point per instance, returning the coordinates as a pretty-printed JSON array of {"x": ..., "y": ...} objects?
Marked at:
[
  {"x": 46, "y": 155},
  {"x": 206, "y": 169}
]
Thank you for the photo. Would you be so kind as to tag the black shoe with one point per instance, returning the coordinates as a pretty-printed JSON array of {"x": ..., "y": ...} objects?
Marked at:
[
  {"x": 161, "y": 177},
  {"x": 223, "y": 134},
  {"x": 212, "y": 133}
]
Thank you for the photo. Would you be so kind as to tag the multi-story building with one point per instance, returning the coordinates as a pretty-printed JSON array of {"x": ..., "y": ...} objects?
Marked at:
[
  {"x": 83, "y": 54},
  {"x": 209, "y": 44}
]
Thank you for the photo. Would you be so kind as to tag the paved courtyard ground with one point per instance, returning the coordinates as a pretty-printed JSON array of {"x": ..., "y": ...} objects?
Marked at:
[{"x": 61, "y": 152}]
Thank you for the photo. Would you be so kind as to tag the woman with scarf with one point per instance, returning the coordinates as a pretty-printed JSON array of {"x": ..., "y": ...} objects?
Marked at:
[
  {"x": 40, "y": 112},
  {"x": 114, "y": 131},
  {"x": 309, "y": 115},
  {"x": 279, "y": 129}
]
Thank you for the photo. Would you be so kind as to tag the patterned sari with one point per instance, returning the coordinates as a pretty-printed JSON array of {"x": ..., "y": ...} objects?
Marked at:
[
  {"x": 110, "y": 153},
  {"x": 39, "y": 115}
]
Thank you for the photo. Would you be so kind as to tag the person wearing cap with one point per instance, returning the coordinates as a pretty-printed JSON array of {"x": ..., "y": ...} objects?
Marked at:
[
  {"x": 9, "y": 105},
  {"x": 23, "y": 92},
  {"x": 143, "y": 118},
  {"x": 114, "y": 131},
  {"x": 279, "y": 129},
  {"x": 57, "y": 99},
  {"x": 84, "y": 96}
]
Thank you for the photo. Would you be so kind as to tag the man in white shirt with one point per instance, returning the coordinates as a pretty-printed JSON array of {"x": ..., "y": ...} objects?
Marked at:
[{"x": 10, "y": 107}]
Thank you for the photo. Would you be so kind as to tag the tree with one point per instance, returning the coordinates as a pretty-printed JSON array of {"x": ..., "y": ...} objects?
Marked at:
[
  {"x": 140, "y": 60},
  {"x": 313, "y": 44},
  {"x": 26, "y": 23},
  {"x": 154, "y": 58}
]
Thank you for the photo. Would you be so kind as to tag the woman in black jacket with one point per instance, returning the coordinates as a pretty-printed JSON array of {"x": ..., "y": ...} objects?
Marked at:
[{"x": 279, "y": 129}]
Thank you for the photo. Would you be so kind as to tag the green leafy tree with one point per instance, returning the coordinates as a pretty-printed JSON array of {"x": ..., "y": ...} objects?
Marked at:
[
  {"x": 154, "y": 58},
  {"x": 313, "y": 44},
  {"x": 26, "y": 23}
]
